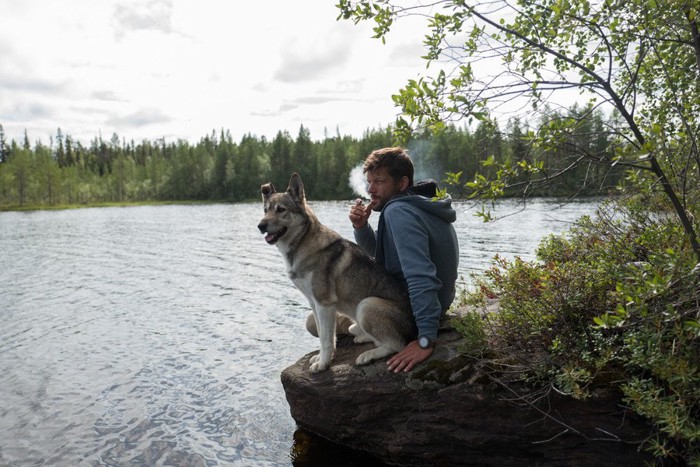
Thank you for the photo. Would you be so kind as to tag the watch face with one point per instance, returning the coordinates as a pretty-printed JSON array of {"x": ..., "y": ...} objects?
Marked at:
[{"x": 424, "y": 342}]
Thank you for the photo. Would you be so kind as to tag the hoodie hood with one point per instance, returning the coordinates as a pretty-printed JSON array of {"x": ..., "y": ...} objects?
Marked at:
[{"x": 423, "y": 195}]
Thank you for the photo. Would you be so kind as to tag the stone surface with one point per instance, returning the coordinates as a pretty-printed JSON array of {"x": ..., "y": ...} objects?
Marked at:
[{"x": 450, "y": 411}]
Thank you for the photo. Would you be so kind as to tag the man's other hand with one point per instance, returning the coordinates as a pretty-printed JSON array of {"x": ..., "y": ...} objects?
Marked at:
[{"x": 410, "y": 356}]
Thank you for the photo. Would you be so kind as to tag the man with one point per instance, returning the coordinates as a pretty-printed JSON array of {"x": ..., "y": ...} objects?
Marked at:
[{"x": 415, "y": 241}]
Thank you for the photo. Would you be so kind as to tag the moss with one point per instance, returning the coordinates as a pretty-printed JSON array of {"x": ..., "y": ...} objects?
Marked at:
[{"x": 455, "y": 370}]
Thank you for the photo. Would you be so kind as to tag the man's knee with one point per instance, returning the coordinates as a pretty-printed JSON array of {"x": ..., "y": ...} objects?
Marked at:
[
  {"x": 343, "y": 324},
  {"x": 311, "y": 325}
]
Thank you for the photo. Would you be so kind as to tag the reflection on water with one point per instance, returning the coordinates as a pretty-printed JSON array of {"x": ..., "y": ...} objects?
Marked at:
[{"x": 156, "y": 335}]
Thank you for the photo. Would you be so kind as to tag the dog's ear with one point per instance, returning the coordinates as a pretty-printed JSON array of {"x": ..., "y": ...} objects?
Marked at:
[
  {"x": 267, "y": 190},
  {"x": 296, "y": 189}
]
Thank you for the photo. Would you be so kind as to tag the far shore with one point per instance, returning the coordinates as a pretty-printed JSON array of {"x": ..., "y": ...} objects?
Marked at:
[
  {"x": 118, "y": 204},
  {"x": 108, "y": 204}
]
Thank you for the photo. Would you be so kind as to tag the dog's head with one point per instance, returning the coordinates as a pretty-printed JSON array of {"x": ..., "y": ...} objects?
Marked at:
[{"x": 283, "y": 211}]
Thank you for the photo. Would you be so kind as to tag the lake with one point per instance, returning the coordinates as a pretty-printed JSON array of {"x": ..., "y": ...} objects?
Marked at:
[{"x": 156, "y": 335}]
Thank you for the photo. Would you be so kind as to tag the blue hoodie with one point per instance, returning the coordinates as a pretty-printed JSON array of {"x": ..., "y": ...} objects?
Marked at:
[{"x": 416, "y": 242}]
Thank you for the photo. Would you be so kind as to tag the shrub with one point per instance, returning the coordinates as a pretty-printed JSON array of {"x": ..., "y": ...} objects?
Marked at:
[
  {"x": 613, "y": 302},
  {"x": 470, "y": 325}
]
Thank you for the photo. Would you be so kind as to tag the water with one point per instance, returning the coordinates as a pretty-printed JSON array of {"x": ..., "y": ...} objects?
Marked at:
[{"x": 156, "y": 335}]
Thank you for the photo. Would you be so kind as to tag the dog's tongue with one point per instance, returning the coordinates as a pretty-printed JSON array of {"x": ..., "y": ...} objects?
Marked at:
[{"x": 272, "y": 238}]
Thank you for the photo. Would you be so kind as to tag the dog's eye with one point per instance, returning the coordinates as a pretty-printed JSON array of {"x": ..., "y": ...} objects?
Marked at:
[{"x": 280, "y": 209}]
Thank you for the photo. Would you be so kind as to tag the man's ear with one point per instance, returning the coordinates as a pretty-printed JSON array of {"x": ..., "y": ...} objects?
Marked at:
[
  {"x": 403, "y": 183},
  {"x": 296, "y": 189}
]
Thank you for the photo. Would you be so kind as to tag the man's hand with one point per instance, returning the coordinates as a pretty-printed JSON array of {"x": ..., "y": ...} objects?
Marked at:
[
  {"x": 359, "y": 214},
  {"x": 410, "y": 356}
]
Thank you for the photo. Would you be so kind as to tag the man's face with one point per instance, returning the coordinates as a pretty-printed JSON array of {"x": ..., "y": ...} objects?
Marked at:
[{"x": 382, "y": 187}]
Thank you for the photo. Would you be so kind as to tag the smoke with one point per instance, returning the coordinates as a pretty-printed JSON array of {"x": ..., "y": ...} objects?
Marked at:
[
  {"x": 425, "y": 165},
  {"x": 358, "y": 182}
]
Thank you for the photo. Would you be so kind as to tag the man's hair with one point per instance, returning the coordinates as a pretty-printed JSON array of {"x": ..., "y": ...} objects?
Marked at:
[{"x": 396, "y": 161}]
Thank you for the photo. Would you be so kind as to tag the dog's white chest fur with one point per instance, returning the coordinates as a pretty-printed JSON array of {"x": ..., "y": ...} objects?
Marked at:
[
  {"x": 303, "y": 283},
  {"x": 302, "y": 280}
]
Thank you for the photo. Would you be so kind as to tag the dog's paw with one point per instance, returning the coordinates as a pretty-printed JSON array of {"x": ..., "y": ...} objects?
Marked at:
[
  {"x": 318, "y": 367},
  {"x": 363, "y": 339},
  {"x": 360, "y": 335},
  {"x": 373, "y": 354},
  {"x": 318, "y": 364},
  {"x": 364, "y": 358}
]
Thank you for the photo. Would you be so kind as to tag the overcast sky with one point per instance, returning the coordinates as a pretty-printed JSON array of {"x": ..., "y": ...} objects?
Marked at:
[{"x": 147, "y": 69}]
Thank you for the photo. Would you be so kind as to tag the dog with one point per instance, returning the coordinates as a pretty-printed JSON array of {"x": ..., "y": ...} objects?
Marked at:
[{"x": 336, "y": 275}]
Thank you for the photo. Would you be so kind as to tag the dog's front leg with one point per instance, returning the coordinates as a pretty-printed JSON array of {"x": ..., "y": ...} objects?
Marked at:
[{"x": 325, "y": 320}]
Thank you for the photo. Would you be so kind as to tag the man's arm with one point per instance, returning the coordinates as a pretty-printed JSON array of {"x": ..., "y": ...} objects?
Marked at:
[
  {"x": 364, "y": 234},
  {"x": 410, "y": 239},
  {"x": 366, "y": 239}
]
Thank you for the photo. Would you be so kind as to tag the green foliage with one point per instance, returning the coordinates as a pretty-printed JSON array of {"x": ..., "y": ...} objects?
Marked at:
[
  {"x": 528, "y": 163},
  {"x": 658, "y": 311},
  {"x": 551, "y": 303},
  {"x": 639, "y": 58},
  {"x": 215, "y": 168},
  {"x": 218, "y": 168},
  {"x": 614, "y": 302},
  {"x": 471, "y": 326}
]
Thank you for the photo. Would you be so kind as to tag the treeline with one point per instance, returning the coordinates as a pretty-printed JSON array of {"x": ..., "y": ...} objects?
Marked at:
[{"x": 219, "y": 168}]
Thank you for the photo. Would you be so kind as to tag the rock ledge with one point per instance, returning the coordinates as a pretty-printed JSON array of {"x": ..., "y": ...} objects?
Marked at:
[{"x": 447, "y": 411}]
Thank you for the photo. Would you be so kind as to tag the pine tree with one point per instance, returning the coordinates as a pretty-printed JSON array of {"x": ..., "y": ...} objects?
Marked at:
[{"x": 3, "y": 145}]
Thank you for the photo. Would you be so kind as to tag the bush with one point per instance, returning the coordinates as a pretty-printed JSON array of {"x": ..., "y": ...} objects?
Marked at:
[
  {"x": 614, "y": 302},
  {"x": 470, "y": 325}
]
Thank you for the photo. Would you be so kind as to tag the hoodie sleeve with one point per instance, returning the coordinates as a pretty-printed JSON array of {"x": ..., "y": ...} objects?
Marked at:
[
  {"x": 408, "y": 233},
  {"x": 366, "y": 239}
]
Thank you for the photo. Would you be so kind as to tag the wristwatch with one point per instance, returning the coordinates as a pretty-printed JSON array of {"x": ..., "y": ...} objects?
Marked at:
[{"x": 425, "y": 342}]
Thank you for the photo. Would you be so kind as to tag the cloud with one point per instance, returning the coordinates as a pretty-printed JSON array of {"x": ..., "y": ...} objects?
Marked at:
[
  {"x": 106, "y": 95},
  {"x": 26, "y": 112},
  {"x": 17, "y": 74},
  {"x": 282, "y": 109},
  {"x": 158, "y": 67},
  {"x": 310, "y": 61},
  {"x": 354, "y": 86},
  {"x": 7, "y": 52},
  {"x": 407, "y": 53},
  {"x": 152, "y": 15},
  {"x": 316, "y": 100},
  {"x": 140, "y": 118},
  {"x": 304, "y": 69},
  {"x": 293, "y": 104},
  {"x": 23, "y": 83}
]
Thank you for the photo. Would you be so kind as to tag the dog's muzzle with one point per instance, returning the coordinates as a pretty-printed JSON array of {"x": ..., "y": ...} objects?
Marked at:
[{"x": 271, "y": 237}]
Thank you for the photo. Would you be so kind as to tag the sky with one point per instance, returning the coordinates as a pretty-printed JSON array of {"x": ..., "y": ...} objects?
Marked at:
[{"x": 178, "y": 69}]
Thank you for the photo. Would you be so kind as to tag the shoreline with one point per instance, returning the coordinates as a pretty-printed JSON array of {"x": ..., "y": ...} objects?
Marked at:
[{"x": 106, "y": 204}]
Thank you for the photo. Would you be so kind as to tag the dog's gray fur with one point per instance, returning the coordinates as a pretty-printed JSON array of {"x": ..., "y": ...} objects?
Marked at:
[{"x": 336, "y": 275}]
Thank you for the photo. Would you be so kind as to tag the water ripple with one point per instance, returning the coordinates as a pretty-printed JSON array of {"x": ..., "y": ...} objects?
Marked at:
[{"x": 156, "y": 335}]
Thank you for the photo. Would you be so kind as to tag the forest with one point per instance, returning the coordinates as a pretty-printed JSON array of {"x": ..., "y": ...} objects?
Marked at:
[{"x": 217, "y": 168}]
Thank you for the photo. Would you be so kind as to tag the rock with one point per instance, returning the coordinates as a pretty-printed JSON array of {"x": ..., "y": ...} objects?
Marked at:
[{"x": 451, "y": 411}]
